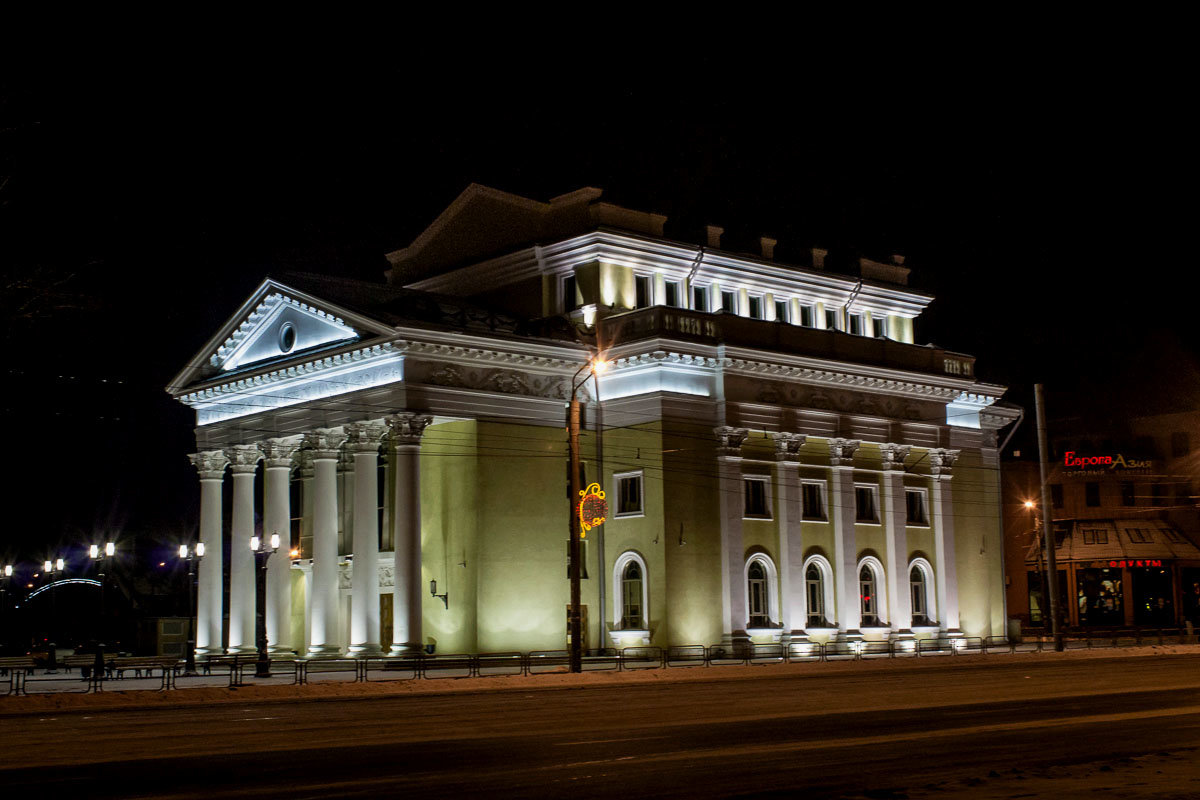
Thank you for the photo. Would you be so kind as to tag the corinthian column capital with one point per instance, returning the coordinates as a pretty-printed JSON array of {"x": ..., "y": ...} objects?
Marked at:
[
  {"x": 280, "y": 452},
  {"x": 729, "y": 440},
  {"x": 210, "y": 464},
  {"x": 364, "y": 437},
  {"x": 324, "y": 442},
  {"x": 942, "y": 462},
  {"x": 841, "y": 451},
  {"x": 787, "y": 445},
  {"x": 408, "y": 427},
  {"x": 244, "y": 458},
  {"x": 893, "y": 456}
]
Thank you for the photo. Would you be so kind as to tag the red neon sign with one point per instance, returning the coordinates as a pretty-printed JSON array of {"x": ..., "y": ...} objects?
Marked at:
[{"x": 1145, "y": 562}]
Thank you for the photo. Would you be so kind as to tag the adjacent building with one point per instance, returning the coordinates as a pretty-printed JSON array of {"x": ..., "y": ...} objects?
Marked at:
[{"x": 781, "y": 460}]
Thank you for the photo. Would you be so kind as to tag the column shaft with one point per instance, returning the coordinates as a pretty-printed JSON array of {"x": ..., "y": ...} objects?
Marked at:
[
  {"x": 210, "y": 589},
  {"x": 946, "y": 569},
  {"x": 895, "y": 513},
  {"x": 277, "y": 518},
  {"x": 324, "y": 636},
  {"x": 364, "y": 587},
  {"x": 841, "y": 490},
  {"x": 408, "y": 589},
  {"x": 791, "y": 549},
  {"x": 241, "y": 565}
]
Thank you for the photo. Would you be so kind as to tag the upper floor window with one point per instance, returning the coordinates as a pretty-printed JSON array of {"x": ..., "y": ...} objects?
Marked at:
[
  {"x": 1056, "y": 495},
  {"x": 757, "y": 500},
  {"x": 700, "y": 298},
  {"x": 880, "y": 325},
  {"x": 754, "y": 306},
  {"x": 857, "y": 324},
  {"x": 917, "y": 513},
  {"x": 1128, "y": 497},
  {"x": 1095, "y": 536},
  {"x": 729, "y": 301},
  {"x": 629, "y": 494},
  {"x": 832, "y": 319},
  {"x": 644, "y": 289},
  {"x": 671, "y": 294},
  {"x": 570, "y": 294},
  {"x": 1139, "y": 535},
  {"x": 1091, "y": 491},
  {"x": 781, "y": 311},
  {"x": 865, "y": 507},
  {"x": 808, "y": 316},
  {"x": 812, "y": 494}
]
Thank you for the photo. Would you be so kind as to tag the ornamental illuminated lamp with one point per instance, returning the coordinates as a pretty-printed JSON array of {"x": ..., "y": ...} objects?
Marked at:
[
  {"x": 262, "y": 554},
  {"x": 98, "y": 558},
  {"x": 191, "y": 556}
]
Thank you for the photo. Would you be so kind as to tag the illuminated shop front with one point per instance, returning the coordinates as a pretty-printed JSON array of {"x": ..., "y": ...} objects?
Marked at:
[{"x": 767, "y": 439}]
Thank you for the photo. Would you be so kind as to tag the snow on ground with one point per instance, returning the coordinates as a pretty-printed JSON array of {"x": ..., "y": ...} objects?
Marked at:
[{"x": 132, "y": 693}]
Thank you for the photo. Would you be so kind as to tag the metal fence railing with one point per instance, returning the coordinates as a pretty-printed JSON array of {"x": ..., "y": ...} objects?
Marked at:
[{"x": 76, "y": 674}]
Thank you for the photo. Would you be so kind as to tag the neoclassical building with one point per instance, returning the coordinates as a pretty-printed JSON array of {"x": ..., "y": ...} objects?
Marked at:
[{"x": 781, "y": 461}]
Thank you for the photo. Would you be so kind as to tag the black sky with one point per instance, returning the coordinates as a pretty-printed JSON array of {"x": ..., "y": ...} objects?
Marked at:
[{"x": 1042, "y": 204}]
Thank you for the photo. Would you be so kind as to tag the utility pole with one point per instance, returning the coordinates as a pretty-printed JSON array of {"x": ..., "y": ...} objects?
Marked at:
[
  {"x": 573, "y": 622},
  {"x": 1047, "y": 522}
]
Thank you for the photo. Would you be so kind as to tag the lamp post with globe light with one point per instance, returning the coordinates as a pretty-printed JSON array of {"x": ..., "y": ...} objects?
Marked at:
[
  {"x": 191, "y": 556},
  {"x": 261, "y": 556},
  {"x": 99, "y": 556}
]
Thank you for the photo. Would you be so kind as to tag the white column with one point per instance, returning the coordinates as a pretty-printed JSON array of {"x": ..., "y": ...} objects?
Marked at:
[
  {"x": 791, "y": 544},
  {"x": 210, "y": 579},
  {"x": 408, "y": 590},
  {"x": 946, "y": 570},
  {"x": 324, "y": 444},
  {"x": 363, "y": 442},
  {"x": 841, "y": 491},
  {"x": 243, "y": 460},
  {"x": 895, "y": 520},
  {"x": 733, "y": 556},
  {"x": 279, "y": 457}
]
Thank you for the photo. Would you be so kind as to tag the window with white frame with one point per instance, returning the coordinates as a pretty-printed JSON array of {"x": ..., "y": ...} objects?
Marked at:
[
  {"x": 918, "y": 507},
  {"x": 858, "y": 324},
  {"x": 757, "y": 497},
  {"x": 812, "y": 496},
  {"x": 808, "y": 315},
  {"x": 628, "y": 494},
  {"x": 880, "y": 326},
  {"x": 814, "y": 583},
  {"x": 672, "y": 292},
  {"x": 643, "y": 290},
  {"x": 729, "y": 302},
  {"x": 700, "y": 298},
  {"x": 754, "y": 307},
  {"x": 630, "y": 593},
  {"x": 762, "y": 605},
  {"x": 868, "y": 590},
  {"x": 866, "y": 503},
  {"x": 919, "y": 584},
  {"x": 832, "y": 319},
  {"x": 782, "y": 312}
]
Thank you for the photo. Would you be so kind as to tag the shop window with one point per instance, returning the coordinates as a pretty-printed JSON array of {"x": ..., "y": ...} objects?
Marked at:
[
  {"x": 1038, "y": 610},
  {"x": 915, "y": 499},
  {"x": 812, "y": 494},
  {"x": 1153, "y": 596},
  {"x": 754, "y": 307},
  {"x": 1095, "y": 536},
  {"x": 1180, "y": 446},
  {"x": 1091, "y": 494},
  {"x": 629, "y": 494},
  {"x": 671, "y": 294},
  {"x": 757, "y": 501},
  {"x": 865, "y": 505},
  {"x": 1099, "y": 597},
  {"x": 700, "y": 298},
  {"x": 644, "y": 289},
  {"x": 1056, "y": 495},
  {"x": 781, "y": 311},
  {"x": 1128, "y": 497},
  {"x": 729, "y": 302},
  {"x": 808, "y": 316}
]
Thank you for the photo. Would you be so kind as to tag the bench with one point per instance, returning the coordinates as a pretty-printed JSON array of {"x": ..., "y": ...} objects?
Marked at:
[
  {"x": 167, "y": 664},
  {"x": 16, "y": 668}
]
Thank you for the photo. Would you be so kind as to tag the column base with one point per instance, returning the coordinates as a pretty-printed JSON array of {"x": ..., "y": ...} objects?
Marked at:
[
  {"x": 951, "y": 633},
  {"x": 406, "y": 649},
  {"x": 850, "y": 635},
  {"x": 367, "y": 649},
  {"x": 280, "y": 651},
  {"x": 324, "y": 651},
  {"x": 903, "y": 634},
  {"x": 204, "y": 652},
  {"x": 241, "y": 650}
]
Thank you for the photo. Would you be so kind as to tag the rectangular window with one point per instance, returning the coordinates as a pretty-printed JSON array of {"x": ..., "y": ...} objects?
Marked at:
[
  {"x": 296, "y": 498},
  {"x": 1056, "y": 495},
  {"x": 644, "y": 287},
  {"x": 831, "y": 319},
  {"x": 728, "y": 301},
  {"x": 1128, "y": 498},
  {"x": 1095, "y": 536},
  {"x": 1172, "y": 535},
  {"x": 917, "y": 515},
  {"x": 781, "y": 311},
  {"x": 1139, "y": 535},
  {"x": 880, "y": 325},
  {"x": 570, "y": 301},
  {"x": 864, "y": 504},
  {"x": 755, "y": 307},
  {"x": 857, "y": 324},
  {"x": 807, "y": 316},
  {"x": 1159, "y": 492},
  {"x": 629, "y": 494},
  {"x": 1091, "y": 493},
  {"x": 671, "y": 293},
  {"x": 812, "y": 494},
  {"x": 1180, "y": 446},
  {"x": 700, "y": 298},
  {"x": 757, "y": 503}
]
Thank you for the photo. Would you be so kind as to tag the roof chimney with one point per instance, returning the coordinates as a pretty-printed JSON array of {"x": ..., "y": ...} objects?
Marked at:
[
  {"x": 768, "y": 247},
  {"x": 818, "y": 257},
  {"x": 714, "y": 235}
]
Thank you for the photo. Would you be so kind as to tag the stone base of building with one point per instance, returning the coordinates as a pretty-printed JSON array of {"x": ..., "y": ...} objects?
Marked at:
[
  {"x": 364, "y": 650},
  {"x": 324, "y": 651}
]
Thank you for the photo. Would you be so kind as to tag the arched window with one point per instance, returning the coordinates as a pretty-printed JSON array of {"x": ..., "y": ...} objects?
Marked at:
[
  {"x": 756, "y": 586},
  {"x": 920, "y": 582},
  {"x": 868, "y": 596},
  {"x": 631, "y": 597},
  {"x": 814, "y": 583}
]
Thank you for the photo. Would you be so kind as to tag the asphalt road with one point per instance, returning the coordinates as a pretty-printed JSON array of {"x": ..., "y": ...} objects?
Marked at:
[{"x": 884, "y": 727}]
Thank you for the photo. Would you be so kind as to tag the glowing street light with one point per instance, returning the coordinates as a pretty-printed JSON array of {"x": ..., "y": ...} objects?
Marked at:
[
  {"x": 191, "y": 556},
  {"x": 262, "y": 668}
]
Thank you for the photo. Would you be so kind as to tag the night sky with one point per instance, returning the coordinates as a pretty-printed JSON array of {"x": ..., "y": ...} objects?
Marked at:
[{"x": 148, "y": 201}]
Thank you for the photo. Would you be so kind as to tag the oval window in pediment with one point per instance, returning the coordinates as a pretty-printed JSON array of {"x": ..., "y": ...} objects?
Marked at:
[{"x": 287, "y": 337}]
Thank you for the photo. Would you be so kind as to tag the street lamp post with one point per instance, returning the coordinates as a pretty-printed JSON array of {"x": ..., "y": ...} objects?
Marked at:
[
  {"x": 594, "y": 366},
  {"x": 99, "y": 557},
  {"x": 51, "y": 567},
  {"x": 261, "y": 555},
  {"x": 191, "y": 555},
  {"x": 5, "y": 582}
]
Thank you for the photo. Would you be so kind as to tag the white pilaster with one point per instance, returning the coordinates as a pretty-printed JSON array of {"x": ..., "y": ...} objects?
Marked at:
[
  {"x": 279, "y": 456},
  {"x": 895, "y": 520},
  {"x": 791, "y": 544},
  {"x": 210, "y": 589},
  {"x": 841, "y": 491},
  {"x": 324, "y": 444},
  {"x": 363, "y": 443},
  {"x": 243, "y": 461},
  {"x": 407, "y": 594},
  {"x": 942, "y": 462},
  {"x": 730, "y": 491}
]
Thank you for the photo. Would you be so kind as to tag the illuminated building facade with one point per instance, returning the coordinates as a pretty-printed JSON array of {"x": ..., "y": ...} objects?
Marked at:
[
  {"x": 1125, "y": 518},
  {"x": 781, "y": 462}
]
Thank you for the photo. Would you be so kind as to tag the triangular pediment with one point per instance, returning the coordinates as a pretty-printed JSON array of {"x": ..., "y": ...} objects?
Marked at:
[{"x": 276, "y": 324}]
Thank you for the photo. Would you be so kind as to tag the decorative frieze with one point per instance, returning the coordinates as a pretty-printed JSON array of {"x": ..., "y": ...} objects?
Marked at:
[
  {"x": 893, "y": 456},
  {"x": 787, "y": 445},
  {"x": 841, "y": 451},
  {"x": 504, "y": 381},
  {"x": 729, "y": 440},
  {"x": 408, "y": 427},
  {"x": 210, "y": 464}
]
